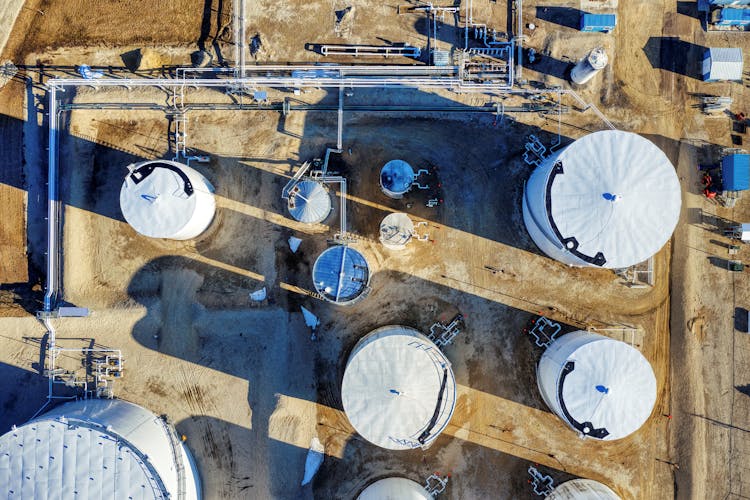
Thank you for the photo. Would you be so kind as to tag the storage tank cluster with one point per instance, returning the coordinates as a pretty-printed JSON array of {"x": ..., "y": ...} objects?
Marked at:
[
  {"x": 610, "y": 199},
  {"x": 97, "y": 448}
]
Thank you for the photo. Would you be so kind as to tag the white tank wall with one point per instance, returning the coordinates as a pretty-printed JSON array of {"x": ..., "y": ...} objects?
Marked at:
[
  {"x": 205, "y": 206},
  {"x": 535, "y": 214},
  {"x": 141, "y": 428},
  {"x": 552, "y": 362},
  {"x": 583, "y": 72},
  {"x": 394, "y": 488},
  {"x": 582, "y": 489}
]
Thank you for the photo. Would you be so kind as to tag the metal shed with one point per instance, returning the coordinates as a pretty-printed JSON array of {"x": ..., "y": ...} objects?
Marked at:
[
  {"x": 598, "y": 22},
  {"x": 722, "y": 64},
  {"x": 735, "y": 172},
  {"x": 734, "y": 17}
]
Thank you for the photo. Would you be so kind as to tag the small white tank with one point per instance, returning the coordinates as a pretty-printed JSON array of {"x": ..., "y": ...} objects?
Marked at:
[
  {"x": 396, "y": 178},
  {"x": 396, "y": 231},
  {"x": 394, "y": 488},
  {"x": 595, "y": 61},
  {"x": 310, "y": 202},
  {"x": 582, "y": 489},
  {"x": 166, "y": 199}
]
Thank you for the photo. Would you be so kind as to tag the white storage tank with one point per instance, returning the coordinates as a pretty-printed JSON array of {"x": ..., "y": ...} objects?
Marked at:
[
  {"x": 166, "y": 199},
  {"x": 395, "y": 488},
  {"x": 582, "y": 489},
  {"x": 341, "y": 275},
  {"x": 595, "y": 61},
  {"x": 611, "y": 199},
  {"x": 396, "y": 178},
  {"x": 600, "y": 387},
  {"x": 96, "y": 449},
  {"x": 398, "y": 390},
  {"x": 310, "y": 202},
  {"x": 396, "y": 231}
]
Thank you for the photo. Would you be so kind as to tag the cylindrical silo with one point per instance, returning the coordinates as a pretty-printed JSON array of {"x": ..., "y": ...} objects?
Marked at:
[
  {"x": 398, "y": 389},
  {"x": 341, "y": 274},
  {"x": 582, "y": 489},
  {"x": 395, "y": 488},
  {"x": 602, "y": 388},
  {"x": 310, "y": 202},
  {"x": 590, "y": 65},
  {"x": 610, "y": 199},
  {"x": 97, "y": 449},
  {"x": 166, "y": 199},
  {"x": 396, "y": 178},
  {"x": 396, "y": 231}
]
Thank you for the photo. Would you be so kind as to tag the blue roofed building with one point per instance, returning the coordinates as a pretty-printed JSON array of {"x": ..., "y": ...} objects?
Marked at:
[{"x": 735, "y": 172}]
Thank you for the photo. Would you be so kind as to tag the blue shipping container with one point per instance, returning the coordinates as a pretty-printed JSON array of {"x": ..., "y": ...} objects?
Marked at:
[
  {"x": 734, "y": 17},
  {"x": 735, "y": 172},
  {"x": 729, "y": 2},
  {"x": 598, "y": 22}
]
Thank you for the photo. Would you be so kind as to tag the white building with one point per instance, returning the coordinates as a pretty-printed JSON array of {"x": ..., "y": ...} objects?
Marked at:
[
  {"x": 96, "y": 449},
  {"x": 166, "y": 199},
  {"x": 600, "y": 387},
  {"x": 398, "y": 389},
  {"x": 610, "y": 199}
]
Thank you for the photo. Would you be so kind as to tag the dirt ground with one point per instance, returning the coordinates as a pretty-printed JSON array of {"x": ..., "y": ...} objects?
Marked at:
[{"x": 245, "y": 383}]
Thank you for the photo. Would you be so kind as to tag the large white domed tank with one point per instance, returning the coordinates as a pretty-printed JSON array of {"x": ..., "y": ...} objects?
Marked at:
[
  {"x": 582, "y": 489},
  {"x": 398, "y": 390},
  {"x": 96, "y": 449},
  {"x": 611, "y": 199},
  {"x": 395, "y": 488},
  {"x": 600, "y": 387},
  {"x": 166, "y": 199}
]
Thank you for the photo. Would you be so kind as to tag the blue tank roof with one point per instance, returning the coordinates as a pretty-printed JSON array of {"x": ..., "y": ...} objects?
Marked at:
[
  {"x": 396, "y": 176},
  {"x": 341, "y": 274}
]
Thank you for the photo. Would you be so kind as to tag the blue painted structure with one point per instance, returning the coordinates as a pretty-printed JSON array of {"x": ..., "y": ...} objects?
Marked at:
[
  {"x": 598, "y": 22},
  {"x": 341, "y": 274},
  {"x": 735, "y": 172},
  {"x": 734, "y": 17},
  {"x": 729, "y": 2}
]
